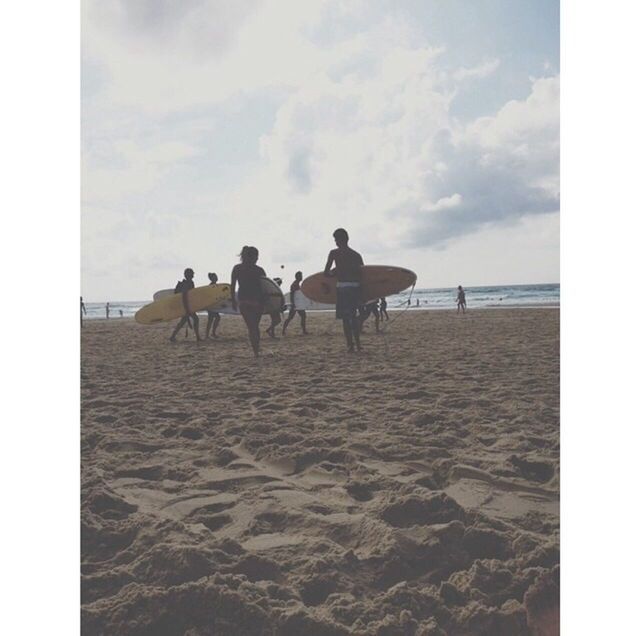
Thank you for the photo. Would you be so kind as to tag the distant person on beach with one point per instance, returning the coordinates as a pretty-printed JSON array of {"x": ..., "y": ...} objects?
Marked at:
[
  {"x": 249, "y": 300},
  {"x": 121, "y": 314},
  {"x": 295, "y": 289},
  {"x": 275, "y": 316},
  {"x": 213, "y": 317},
  {"x": 184, "y": 286},
  {"x": 366, "y": 310},
  {"x": 107, "y": 311},
  {"x": 83, "y": 310},
  {"x": 383, "y": 309},
  {"x": 348, "y": 271},
  {"x": 417, "y": 302},
  {"x": 462, "y": 301}
]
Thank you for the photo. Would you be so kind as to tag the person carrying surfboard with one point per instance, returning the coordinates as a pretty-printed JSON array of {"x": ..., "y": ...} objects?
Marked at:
[
  {"x": 213, "y": 317},
  {"x": 295, "y": 288},
  {"x": 274, "y": 315},
  {"x": 184, "y": 286},
  {"x": 249, "y": 301},
  {"x": 348, "y": 271}
]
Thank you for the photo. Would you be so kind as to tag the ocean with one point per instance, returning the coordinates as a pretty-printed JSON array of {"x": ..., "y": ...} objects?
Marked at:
[{"x": 420, "y": 299}]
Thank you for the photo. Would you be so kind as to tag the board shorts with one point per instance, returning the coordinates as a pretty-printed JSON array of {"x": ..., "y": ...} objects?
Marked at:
[{"x": 348, "y": 300}]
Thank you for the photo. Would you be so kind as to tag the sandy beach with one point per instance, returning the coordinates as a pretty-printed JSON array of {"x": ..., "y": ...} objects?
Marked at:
[{"x": 412, "y": 489}]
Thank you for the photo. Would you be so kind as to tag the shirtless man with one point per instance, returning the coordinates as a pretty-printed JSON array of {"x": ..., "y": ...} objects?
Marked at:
[{"x": 348, "y": 271}]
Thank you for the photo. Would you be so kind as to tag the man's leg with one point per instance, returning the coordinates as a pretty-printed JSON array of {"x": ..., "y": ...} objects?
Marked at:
[
  {"x": 292, "y": 313},
  {"x": 303, "y": 320},
  {"x": 348, "y": 332},
  {"x": 196, "y": 322},
  {"x": 181, "y": 322},
  {"x": 356, "y": 330}
]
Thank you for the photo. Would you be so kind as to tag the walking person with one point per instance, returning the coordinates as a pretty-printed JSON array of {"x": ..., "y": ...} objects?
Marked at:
[
  {"x": 462, "y": 301},
  {"x": 213, "y": 317},
  {"x": 249, "y": 300},
  {"x": 383, "y": 309},
  {"x": 295, "y": 289},
  {"x": 365, "y": 311},
  {"x": 348, "y": 271},
  {"x": 83, "y": 310},
  {"x": 276, "y": 317},
  {"x": 181, "y": 288}
]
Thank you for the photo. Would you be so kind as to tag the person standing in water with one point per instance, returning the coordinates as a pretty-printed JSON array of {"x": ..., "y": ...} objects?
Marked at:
[
  {"x": 182, "y": 287},
  {"x": 83, "y": 310},
  {"x": 348, "y": 271},
  {"x": 107, "y": 310},
  {"x": 275, "y": 316},
  {"x": 383, "y": 309},
  {"x": 249, "y": 300},
  {"x": 294, "y": 289},
  {"x": 462, "y": 301},
  {"x": 213, "y": 317}
]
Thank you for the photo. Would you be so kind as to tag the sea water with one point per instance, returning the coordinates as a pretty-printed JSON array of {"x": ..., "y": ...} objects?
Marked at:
[{"x": 418, "y": 299}]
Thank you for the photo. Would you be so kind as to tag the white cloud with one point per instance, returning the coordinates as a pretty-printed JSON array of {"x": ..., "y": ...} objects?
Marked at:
[
  {"x": 362, "y": 136},
  {"x": 477, "y": 72}
]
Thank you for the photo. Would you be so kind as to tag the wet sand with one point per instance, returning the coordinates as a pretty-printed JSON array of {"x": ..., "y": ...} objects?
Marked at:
[{"x": 411, "y": 489}]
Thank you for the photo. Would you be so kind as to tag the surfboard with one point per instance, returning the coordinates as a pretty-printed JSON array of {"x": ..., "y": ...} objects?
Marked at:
[
  {"x": 272, "y": 295},
  {"x": 306, "y": 304},
  {"x": 378, "y": 281},
  {"x": 170, "y": 306}
]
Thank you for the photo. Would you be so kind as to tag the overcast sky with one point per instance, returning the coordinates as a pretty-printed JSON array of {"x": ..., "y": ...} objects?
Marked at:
[{"x": 429, "y": 129}]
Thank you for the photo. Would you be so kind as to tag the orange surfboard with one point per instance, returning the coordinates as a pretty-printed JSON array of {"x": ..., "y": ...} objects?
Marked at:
[{"x": 378, "y": 281}]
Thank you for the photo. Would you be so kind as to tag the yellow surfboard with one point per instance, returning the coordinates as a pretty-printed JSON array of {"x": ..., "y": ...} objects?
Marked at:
[{"x": 179, "y": 305}]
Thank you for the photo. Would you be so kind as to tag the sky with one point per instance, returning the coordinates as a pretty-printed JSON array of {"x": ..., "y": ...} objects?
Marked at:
[{"x": 429, "y": 129}]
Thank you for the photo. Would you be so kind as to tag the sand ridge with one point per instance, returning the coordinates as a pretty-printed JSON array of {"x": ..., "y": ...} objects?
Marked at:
[{"x": 412, "y": 489}]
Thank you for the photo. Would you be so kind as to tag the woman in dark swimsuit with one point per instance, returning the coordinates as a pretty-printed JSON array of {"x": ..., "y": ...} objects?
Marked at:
[{"x": 249, "y": 301}]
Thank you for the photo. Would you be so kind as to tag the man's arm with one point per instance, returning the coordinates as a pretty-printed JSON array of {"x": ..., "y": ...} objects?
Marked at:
[{"x": 327, "y": 267}]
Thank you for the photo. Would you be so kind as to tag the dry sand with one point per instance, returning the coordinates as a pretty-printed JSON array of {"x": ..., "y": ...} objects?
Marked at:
[{"x": 412, "y": 489}]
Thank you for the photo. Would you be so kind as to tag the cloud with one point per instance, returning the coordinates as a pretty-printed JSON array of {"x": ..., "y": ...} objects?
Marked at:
[
  {"x": 476, "y": 72},
  {"x": 501, "y": 169},
  {"x": 356, "y": 130},
  {"x": 381, "y": 148}
]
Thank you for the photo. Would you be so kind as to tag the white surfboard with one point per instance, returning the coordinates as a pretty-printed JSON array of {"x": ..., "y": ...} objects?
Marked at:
[{"x": 306, "y": 304}]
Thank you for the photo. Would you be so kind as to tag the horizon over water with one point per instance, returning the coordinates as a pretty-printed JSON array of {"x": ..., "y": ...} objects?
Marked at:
[{"x": 538, "y": 295}]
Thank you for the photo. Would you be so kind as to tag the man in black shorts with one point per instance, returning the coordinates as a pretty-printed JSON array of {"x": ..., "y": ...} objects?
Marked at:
[{"x": 348, "y": 271}]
